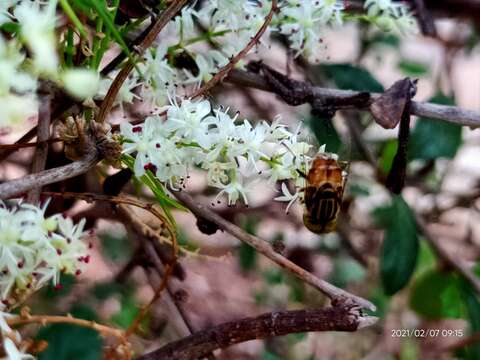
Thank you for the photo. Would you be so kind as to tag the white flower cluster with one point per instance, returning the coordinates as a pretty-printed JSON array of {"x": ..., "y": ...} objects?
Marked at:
[
  {"x": 389, "y": 15},
  {"x": 19, "y": 75},
  {"x": 234, "y": 155},
  {"x": 35, "y": 250},
  {"x": 12, "y": 341},
  {"x": 302, "y": 22}
]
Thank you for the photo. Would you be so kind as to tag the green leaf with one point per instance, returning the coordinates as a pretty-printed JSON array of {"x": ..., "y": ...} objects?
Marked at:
[
  {"x": 247, "y": 257},
  {"x": 413, "y": 68},
  {"x": 435, "y": 295},
  {"x": 65, "y": 285},
  {"x": 473, "y": 309},
  {"x": 247, "y": 254},
  {"x": 117, "y": 248},
  {"x": 400, "y": 244},
  {"x": 71, "y": 342},
  {"x": 350, "y": 77},
  {"x": 103, "y": 291},
  {"x": 157, "y": 188},
  {"x": 388, "y": 154},
  {"x": 325, "y": 133},
  {"x": 128, "y": 312},
  {"x": 73, "y": 18},
  {"x": 107, "y": 18},
  {"x": 432, "y": 139},
  {"x": 345, "y": 271}
]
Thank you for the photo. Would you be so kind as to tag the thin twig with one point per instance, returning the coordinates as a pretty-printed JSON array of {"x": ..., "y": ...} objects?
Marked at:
[
  {"x": 162, "y": 20},
  {"x": 19, "y": 186},
  {"x": 266, "y": 249},
  {"x": 224, "y": 71},
  {"x": 277, "y": 323},
  {"x": 18, "y": 146},
  {"x": 26, "y": 318},
  {"x": 450, "y": 260},
  {"x": 451, "y": 114},
  {"x": 425, "y": 20},
  {"x": 151, "y": 208},
  {"x": 43, "y": 133}
]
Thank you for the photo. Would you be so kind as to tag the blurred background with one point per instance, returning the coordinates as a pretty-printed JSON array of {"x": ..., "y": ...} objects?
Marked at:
[{"x": 223, "y": 279}]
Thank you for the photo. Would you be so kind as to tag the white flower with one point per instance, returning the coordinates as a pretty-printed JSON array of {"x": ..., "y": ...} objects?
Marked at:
[
  {"x": 81, "y": 83},
  {"x": 5, "y": 16},
  {"x": 35, "y": 249},
  {"x": 37, "y": 29},
  {"x": 125, "y": 95},
  {"x": 187, "y": 120},
  {"x": 228, "y": 151},
  {"x": 143, "y": 139},
  {"x": 388, "y": 15},
  {"x": 236, "y": 189},
  {"x": 375, "y": 7},
  {"x": 302, "y": 20},
  {"x": 10, "y": 75},
  {"x": 12, "y": 352},
  {"x": 15, "y": 109},
  {"x": 205, "y": 67},
  {"x": 287, "y": 196}
]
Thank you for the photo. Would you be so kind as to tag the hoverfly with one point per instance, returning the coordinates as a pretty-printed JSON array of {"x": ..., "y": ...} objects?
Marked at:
[{"x": 323, "y": 193}]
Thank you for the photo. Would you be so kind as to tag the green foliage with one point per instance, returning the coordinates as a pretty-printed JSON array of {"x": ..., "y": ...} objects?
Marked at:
[
  {"x": 247, "y": 255},
  {"x": 71, "y": 342},
  {"x": 473, "y": 309},
  {"x": 103, "y": 291},
  {"x": 435, "y": 295},
  {"x": 345, "y": 271},
  {"x": 267, "y": 355},
  {"x": 413, "y": 68},
  {"x": 350, "y": 77},
  {"x": 400, "y": 244},
  {"x": 65, "y": 285},
  {"x": 128, "y": 311},
  {"x": 432, "y": 139},
  {"x": 357, "y": 189},
  {"x": 157, "y": 188},
  {"x": 325, "y": 133},
  {"x": 116, "y": 248},
  {"x": 388, "y": 154}
]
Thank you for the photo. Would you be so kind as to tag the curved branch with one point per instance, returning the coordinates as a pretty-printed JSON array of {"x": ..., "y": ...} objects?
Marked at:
[
  {"x": 453, "y": 114},
  {"x": 266, "y": 249},
  {"x": 19, "y": 186},
  {"x": 162, "y": 20},
  {"x": 277, "y": 323}
]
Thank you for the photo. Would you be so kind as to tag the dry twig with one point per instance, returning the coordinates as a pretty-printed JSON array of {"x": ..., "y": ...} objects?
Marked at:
[
  {"x": 339, "y": 318},
  {"x": 266, "y": 249}
]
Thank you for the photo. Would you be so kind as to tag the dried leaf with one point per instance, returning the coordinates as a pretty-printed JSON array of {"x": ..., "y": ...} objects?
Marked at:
[{"x": 387, "y": 110}]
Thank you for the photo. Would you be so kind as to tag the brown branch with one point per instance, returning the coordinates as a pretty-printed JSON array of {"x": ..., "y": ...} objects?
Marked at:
[
  {"x": 17, "y": 146},
  {"x": 162, "y": 20},
  {"x": 425, "y": 20},
  {"x": 266, "y": 249},
  {"x": 451, "y": 114},
  {"x": 43, "y": 133},
  {"x": 19, "y": 186},
  {"x": 277, "y": 323},
  {"x": 224, "y": 71}
]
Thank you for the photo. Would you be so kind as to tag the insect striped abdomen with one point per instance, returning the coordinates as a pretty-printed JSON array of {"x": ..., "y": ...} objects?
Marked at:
[{"x": 323, "y": 195}]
